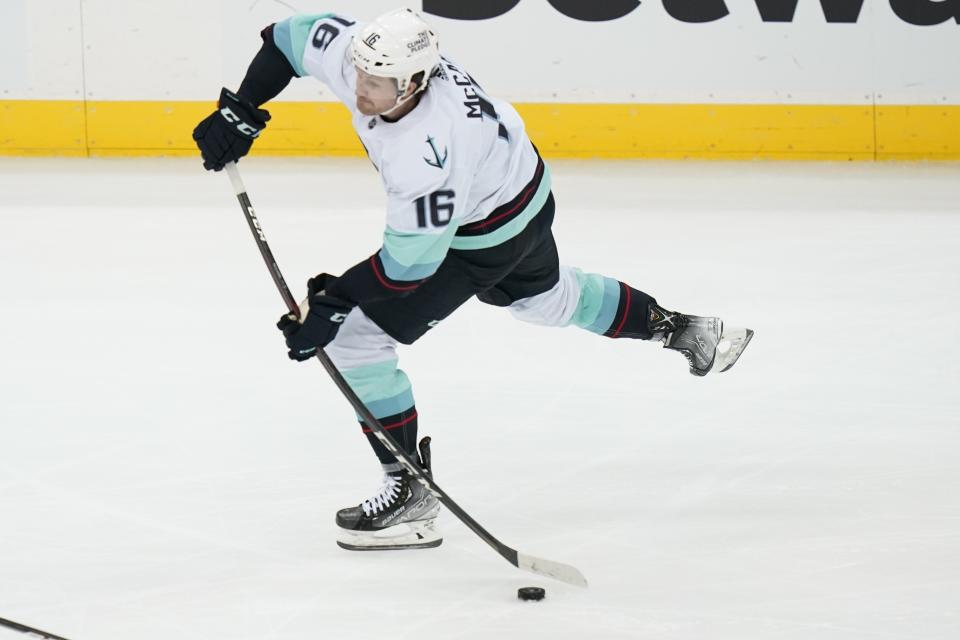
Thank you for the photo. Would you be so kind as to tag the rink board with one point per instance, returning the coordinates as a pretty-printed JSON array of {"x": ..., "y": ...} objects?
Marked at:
[
  {"x": 836, "y": 79},
  {"x": 562, "y": 130}
]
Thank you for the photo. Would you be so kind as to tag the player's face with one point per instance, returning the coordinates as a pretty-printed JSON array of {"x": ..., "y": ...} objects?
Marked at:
[{"x": 374, "y": 94}]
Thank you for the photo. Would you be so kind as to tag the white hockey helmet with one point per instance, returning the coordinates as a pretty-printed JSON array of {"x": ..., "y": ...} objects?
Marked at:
[{"x": 399, "y": 45}]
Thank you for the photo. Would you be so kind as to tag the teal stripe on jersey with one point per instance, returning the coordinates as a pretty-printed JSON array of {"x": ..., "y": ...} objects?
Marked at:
[
  {"x": 291, "y": 37},
  {"x": 382, "y": 387},
  {"x": 397, "y": 271},
  {"x": 406, "y": 255},
  {"x": 599, "y": 299},
  {"x": 513, "y": 227}
]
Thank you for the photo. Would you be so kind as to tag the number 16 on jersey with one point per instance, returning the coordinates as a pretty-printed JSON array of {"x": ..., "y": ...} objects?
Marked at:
[{"x": 439, "y": 204}]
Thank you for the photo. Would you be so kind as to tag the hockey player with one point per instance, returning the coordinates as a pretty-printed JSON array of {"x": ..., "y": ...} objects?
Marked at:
[{"x": 469, "y": 213}]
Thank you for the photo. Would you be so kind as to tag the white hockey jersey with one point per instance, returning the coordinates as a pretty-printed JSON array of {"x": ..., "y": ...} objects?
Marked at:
[{"x": 459, "y": 170}]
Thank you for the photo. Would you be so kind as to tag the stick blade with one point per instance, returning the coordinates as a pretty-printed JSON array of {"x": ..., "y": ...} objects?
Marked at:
[{"x": 556, "y": 570}]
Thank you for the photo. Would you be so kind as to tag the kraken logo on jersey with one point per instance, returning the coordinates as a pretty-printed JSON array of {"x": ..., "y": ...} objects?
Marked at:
[{"x": 437, "y": 162}]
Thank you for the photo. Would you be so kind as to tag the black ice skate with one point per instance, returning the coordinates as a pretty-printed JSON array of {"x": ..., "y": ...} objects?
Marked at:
[
  {"x": 704, "y": 342},
  {"x": 402, "y": 515}
]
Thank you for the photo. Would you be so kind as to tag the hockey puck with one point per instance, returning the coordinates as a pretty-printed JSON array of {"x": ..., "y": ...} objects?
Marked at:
[{"x": 531, "y": 593}]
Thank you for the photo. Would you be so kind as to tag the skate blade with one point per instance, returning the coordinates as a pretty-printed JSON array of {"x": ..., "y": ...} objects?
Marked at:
[
  {"x": 406, "y": 535},
  {"x": 732, "y": 344}
]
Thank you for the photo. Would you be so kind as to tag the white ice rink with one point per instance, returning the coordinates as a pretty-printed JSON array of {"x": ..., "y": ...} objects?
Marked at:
[{"x": 167, "y": 474}]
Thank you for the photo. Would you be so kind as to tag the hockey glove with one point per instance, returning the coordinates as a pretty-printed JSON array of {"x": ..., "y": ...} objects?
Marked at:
[
  {"x": 320, "y": 324},
  {"x": 227, "y": 134}
]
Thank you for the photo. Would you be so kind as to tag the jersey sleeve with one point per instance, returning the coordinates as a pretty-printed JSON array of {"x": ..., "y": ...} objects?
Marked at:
[
  {"x": 314, "y": 44},
  {"x": 268, "y": 74},
  {"x": 422, "y": 214}
]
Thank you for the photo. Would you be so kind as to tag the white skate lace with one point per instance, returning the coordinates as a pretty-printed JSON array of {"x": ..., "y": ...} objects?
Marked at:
[{"x": 384, "y": 498}]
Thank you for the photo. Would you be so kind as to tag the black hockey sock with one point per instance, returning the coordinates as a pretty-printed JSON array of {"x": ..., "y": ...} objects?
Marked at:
[
  {"x": 631, "y": 318},
  {"x": 402, "y": 427}
]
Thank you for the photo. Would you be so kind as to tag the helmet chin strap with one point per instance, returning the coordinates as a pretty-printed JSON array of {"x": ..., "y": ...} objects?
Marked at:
[{"x": 399, "y": 103}]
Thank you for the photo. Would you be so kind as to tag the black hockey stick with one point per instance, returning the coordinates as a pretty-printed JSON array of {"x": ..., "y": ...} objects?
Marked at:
[
  {"x": 548, "y": 568},
  {"x": 22, "y": 628}
]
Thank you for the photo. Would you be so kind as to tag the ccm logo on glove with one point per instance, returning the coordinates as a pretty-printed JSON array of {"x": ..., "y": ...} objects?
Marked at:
[
  {"x": 227, "y": 134},
  {"x": 243, "y": 127},
  {"x": 319, "y": 325}
]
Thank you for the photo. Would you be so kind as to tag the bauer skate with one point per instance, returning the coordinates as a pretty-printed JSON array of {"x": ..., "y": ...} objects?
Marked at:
[
  {"x": 402, "y": 515},
  {"x": 704, "y": 342}
]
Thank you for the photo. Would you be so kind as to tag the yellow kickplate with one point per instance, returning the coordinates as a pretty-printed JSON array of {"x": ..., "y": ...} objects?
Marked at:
[
  {"x": 921, "y": 132},
  {"x": 722, "y": 131},
  {"x": 42, "y": 127}
]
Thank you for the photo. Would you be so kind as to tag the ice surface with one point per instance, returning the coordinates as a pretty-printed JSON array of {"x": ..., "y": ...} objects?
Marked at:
[{"x": 166, "y": 472}]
